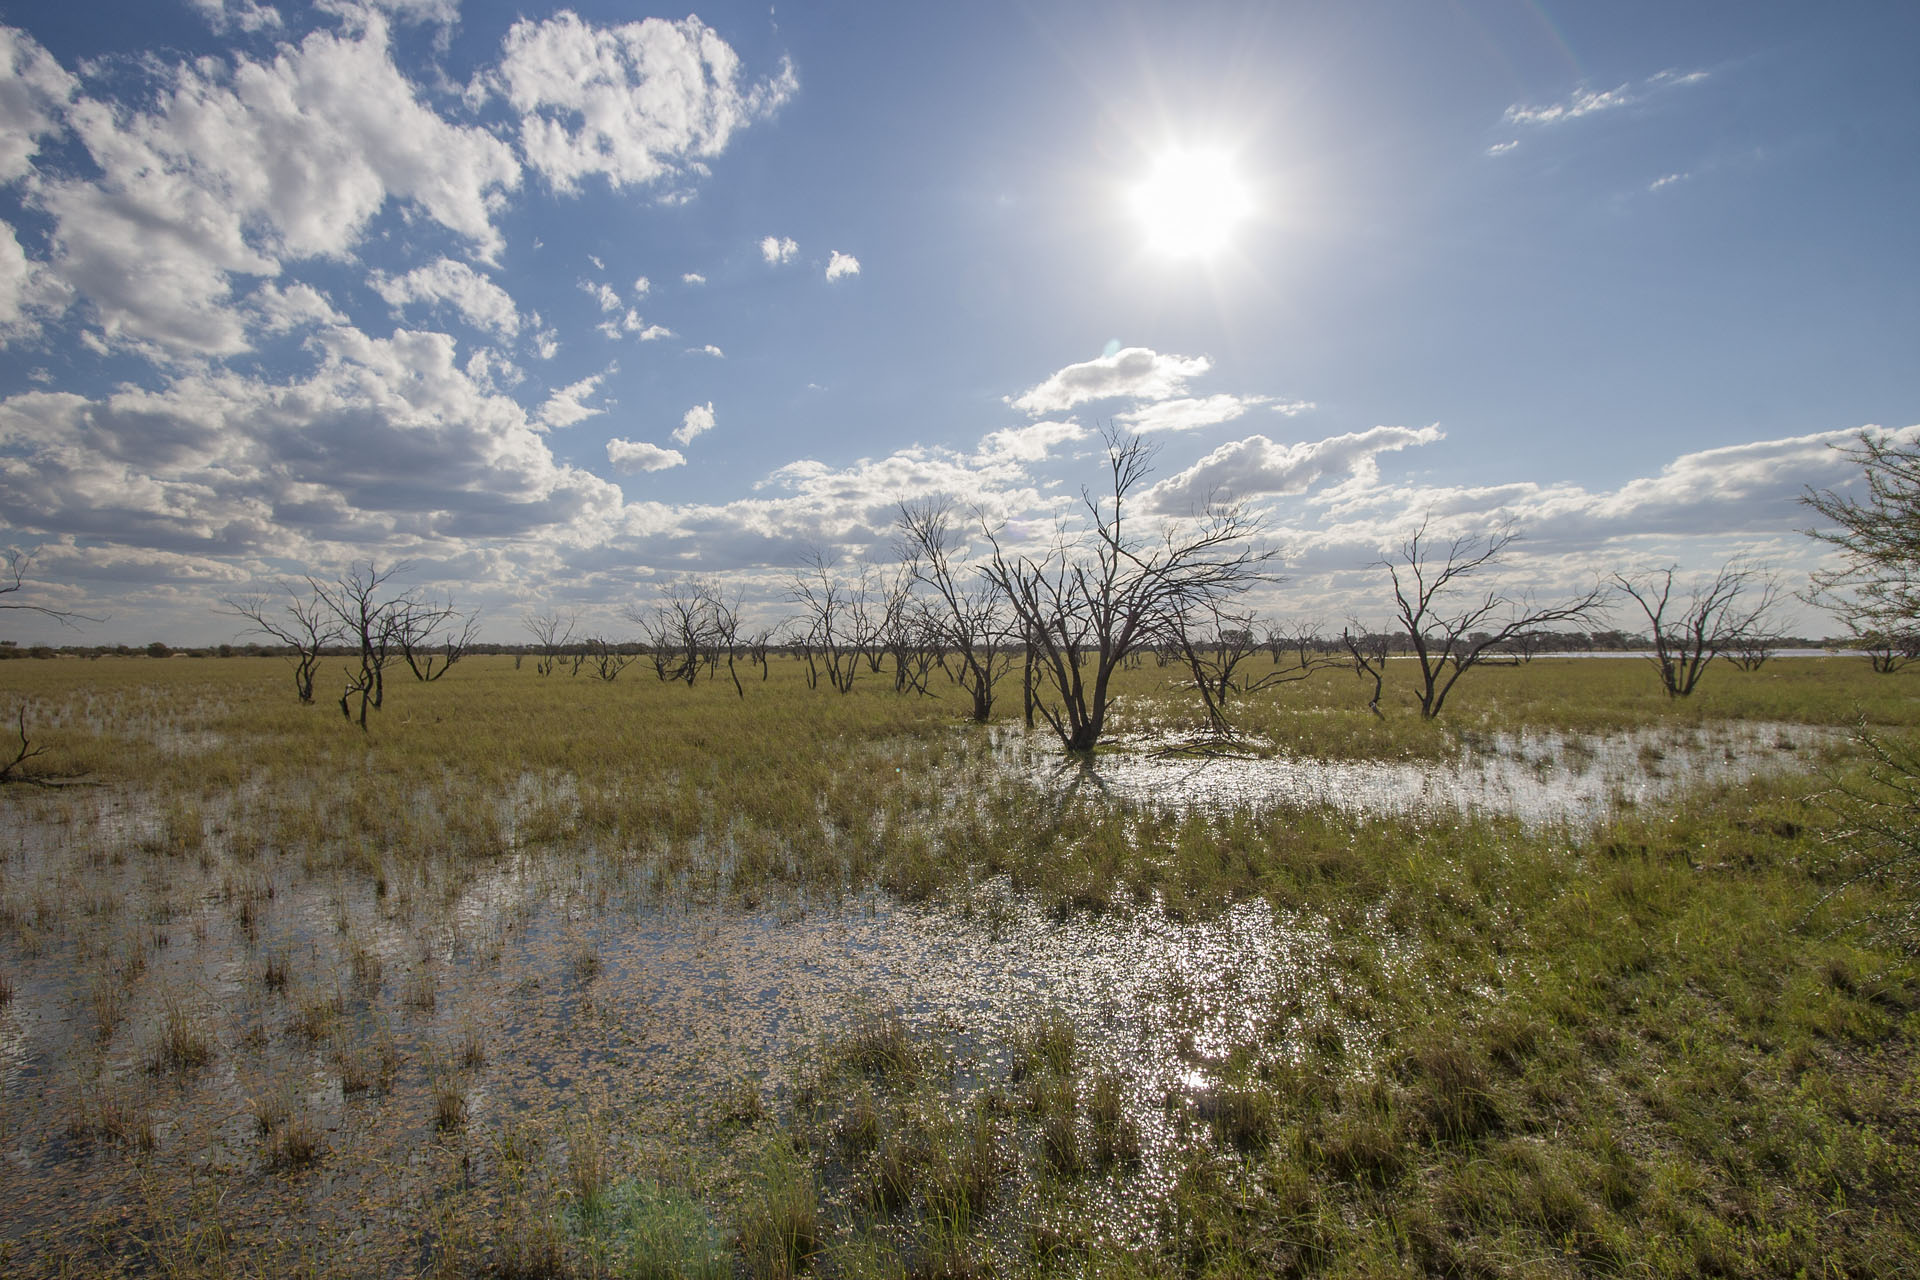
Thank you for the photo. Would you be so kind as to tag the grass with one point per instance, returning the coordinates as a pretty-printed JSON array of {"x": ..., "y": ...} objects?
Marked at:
[{"x": 1640, "y": 1048}]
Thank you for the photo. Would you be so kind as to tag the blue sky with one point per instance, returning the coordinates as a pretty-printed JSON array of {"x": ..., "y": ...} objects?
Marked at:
[{"x": 558, "y": 304}]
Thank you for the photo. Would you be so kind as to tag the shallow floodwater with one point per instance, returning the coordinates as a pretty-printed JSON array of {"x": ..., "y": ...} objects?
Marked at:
[
  {"x": 1540, "y": 778},
  {"x": 539, "y": 986}
]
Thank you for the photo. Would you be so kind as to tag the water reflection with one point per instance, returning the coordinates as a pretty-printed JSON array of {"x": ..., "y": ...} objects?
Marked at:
[{"x": 1540, "y": 778}]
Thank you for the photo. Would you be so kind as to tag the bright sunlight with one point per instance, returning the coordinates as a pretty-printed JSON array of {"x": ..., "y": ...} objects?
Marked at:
[{"x": 1190, "y": 202}]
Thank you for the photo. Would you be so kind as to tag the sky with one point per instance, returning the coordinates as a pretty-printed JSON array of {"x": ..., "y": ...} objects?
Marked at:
[{"x": 559, "y": 305}]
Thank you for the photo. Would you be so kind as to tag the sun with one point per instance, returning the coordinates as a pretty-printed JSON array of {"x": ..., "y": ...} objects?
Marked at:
[{"x": 1191, "y": 201}]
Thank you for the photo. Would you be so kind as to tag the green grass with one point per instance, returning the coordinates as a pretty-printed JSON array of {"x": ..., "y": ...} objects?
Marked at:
[{"x": 1645, "y": 1049}]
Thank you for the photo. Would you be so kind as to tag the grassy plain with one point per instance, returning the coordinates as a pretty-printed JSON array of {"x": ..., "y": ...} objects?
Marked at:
[{"x": 550, "y": 976}]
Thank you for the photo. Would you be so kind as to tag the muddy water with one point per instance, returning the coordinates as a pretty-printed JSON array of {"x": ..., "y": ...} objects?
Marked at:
[{"x": 1541, "y": 778}]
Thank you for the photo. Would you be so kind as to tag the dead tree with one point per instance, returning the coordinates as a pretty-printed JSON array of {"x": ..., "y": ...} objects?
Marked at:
[
  {"x": 13, "y": 580},
  {"x": 366, "y": 623},
  {"x": 302, "y": 624},
  {"x": 1087, "y": 604},
  {"x": 1368, "y": 652},
  {"x": 835, "y": 620},
  {"x": 432, "y": 636},
  {"x": 1715, "y": 617},
  {"x": 969, "y": 616},
  {"x": 1449, "y": 634},
  {"x": 552, "y": 636},
  {"x": 1215, "y": 644}
]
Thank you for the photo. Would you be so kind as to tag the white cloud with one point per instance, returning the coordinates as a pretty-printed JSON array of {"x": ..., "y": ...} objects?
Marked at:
[
  {"x": 708, "y": 350},
  {"x": 387, "y": 443},
  {"x": 297, "y": 306},
  {"x": 1256, "y": 466},
  {"x": 1138, "y": 372},
  {"x": 638, "y": 455},
  {"x": 776, "y": 250},
  {"x": 235, "y": 169},
  {"x": 601, "y": 293},
  {"x": 478, "y": 300},
  {"x": 841, "y": 264},
  {"x": 641, "y": 286},
  {"x": 1030, "y": 443},
  {"x": 655, "y": 332},
  {"x": 567, "y": 406},
  {"x": 237, "y": 15},
  {"x": 34, "y": 90},
  {"x": 1501, "y": 148},
  {"x": 637, "y": 103},
  {"x": 1189, "y": 414},
  {"x": 693, "y": 277},
  {"x": 1667, "y": 181},
  {"x": 28, "y": 291},
  {"x": 1586, "y": 102},
  {"x": 697, "y": 420},
  {"x": 444, "y": 12}
]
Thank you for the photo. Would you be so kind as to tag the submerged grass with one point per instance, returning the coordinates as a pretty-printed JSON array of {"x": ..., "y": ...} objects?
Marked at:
[{"x": 1633, "y": 1049}]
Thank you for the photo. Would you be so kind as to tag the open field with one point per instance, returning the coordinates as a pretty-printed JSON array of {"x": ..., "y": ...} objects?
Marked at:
[{"x": 545, "y": 976}]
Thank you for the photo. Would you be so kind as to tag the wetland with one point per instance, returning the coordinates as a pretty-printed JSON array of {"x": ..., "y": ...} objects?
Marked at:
[{"x": 555, "y": 976}]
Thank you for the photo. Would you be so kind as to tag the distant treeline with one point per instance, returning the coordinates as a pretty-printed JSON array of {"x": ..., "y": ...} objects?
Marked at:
[{"x": 1396, "y": 642}]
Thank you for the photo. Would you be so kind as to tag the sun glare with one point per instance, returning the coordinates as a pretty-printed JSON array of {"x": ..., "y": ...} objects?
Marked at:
[{"x": 1190, "y": 202}]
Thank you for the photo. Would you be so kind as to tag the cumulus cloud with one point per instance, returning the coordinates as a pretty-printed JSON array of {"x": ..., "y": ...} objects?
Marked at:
[
  {"x": 34, "y": 90},
  {"x": 777, "y": 249},
  {"x": 1667, "y": 181},
  {"x": 638, "y": 455},
  {"x": 1138, "y": 372},
  {"x": 28, "y": 291},
  {"x": 475, "y": 298},
  {"x": 1188, "y": 414},
  {"x": 636, "y": 103},
  {"x": 708, "y": 350},
  {"x": 1501, "y": 148},
  {"x": 841, "y": 264},
  {"x": 1029, "y": 443},
  {"x": 386, "y": 443},
  {"x": 1257, "y": 465},
  {"x": 641, "y": 286},
  {"x": 567, "y": 405},
  {"x": 697, "y": 420},
  {"x": 297, "y": 306},
  {"x": 692, "y": 277},
  {"x": 237, "y": 15},
  {"x": 237, "y": 168}
]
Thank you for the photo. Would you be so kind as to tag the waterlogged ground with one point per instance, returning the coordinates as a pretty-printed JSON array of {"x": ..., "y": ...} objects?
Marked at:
[
  {"x": 321, "y": 1061},
  {"x": 219, "y": 1048},
  {"x": 1541, "y": 778}
]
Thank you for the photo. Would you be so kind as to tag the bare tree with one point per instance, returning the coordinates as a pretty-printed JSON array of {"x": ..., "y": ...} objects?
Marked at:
[
  {"x": 1714, "y": 617},
  {"x": 552, "y": 635},
  {"x": 367, "y": 623},
  {"x": 1368, "y": 652},
  {"x": 836, "y": 626},
  {"x": 1215, "y": 643},
  {"x": 303, "y": 624},
  {"x": 13, "y": 580},
  {"x": 1452, "y": 626},
  {"x": 608, "y": 658},
  {"x": 970, "y": 619},
  {"x": 1087, "y": 605},
  {"x": 1875, "y": 590},
  {"x": 432, "y": 636}
]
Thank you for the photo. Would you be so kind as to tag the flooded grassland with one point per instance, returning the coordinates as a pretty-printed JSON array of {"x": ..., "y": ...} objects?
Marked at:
[{"x": 556, "y": 977}]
